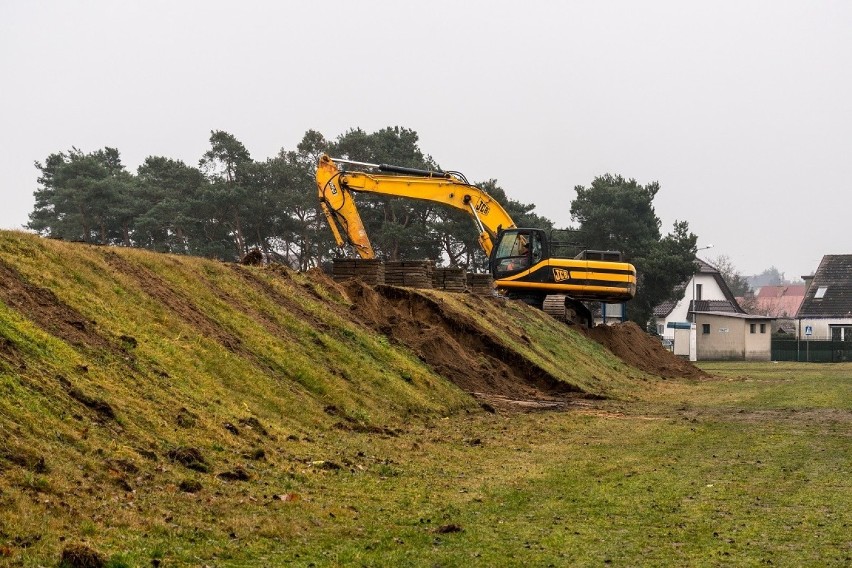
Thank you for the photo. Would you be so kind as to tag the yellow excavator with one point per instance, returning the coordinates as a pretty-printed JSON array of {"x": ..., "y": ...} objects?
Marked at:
[{"x": 521, "y": 260}]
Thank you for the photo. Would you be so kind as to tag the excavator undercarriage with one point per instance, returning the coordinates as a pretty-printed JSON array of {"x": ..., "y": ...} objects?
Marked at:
[{"x": 568, "y": 310}]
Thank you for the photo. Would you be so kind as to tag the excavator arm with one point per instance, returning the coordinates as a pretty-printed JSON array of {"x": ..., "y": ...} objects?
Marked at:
[
  {"x": 533, "y": 274},
  {"x": 335, "y": 189}
]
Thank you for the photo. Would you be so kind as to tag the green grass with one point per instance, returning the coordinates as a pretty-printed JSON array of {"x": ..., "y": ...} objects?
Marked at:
[
  {"x": 645, "y": 483},
  {"x": 673, "y": 480},
  {"x": 358, "y": 453}
]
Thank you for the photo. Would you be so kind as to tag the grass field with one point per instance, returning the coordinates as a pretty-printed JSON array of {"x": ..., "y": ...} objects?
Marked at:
[
  {"x": 752, "y": 468},
  {"x": 171, "y": 411}
]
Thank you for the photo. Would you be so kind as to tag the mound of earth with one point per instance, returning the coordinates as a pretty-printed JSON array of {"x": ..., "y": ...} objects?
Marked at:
[
  {"x": 457, "y": 348},
  {"x": 638, "y": 349}
]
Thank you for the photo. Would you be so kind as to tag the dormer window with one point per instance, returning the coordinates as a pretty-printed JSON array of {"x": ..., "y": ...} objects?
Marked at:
[{"x": 820, "y": 292}]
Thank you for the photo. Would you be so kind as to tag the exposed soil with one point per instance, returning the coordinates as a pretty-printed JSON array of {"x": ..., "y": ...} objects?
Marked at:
[
  {"x": 81, "y": 556},
  {"x": 448, "y": 341},
  {"x": 460, "y": 351},
  {"x": 457, "y": 349},
  {"x": 628, "y": 342},
  {"x": 45, "y": 310}
]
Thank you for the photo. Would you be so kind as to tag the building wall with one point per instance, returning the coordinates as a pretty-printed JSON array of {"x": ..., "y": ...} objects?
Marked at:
[
  {"x": 710, "y": 291},
  {"x": 680, "y": 344},
  {"x": 758, "y": 345},
  {"x": 820, "y": 327},
  {"x": 730, "y": 338},
  {"x": 725, "y": 340}
]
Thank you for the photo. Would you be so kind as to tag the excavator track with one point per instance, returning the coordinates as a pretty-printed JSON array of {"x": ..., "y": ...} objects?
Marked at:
[{"x": 567, "y": 310}]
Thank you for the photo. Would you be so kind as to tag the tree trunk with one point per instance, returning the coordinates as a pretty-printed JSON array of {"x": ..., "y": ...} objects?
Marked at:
[
  {"x": 238, "y": 236},
  {"x": 87, "y": 230},
  {"x": 181, "y": 239}
]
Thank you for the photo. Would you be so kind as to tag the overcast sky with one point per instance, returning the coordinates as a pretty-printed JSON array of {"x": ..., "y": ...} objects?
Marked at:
[{"x": 741, "y": 110}]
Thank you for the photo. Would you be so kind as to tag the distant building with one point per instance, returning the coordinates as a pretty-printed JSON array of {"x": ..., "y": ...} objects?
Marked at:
[
  {"x": 706, "y": 290},
  {"x": 826, "y": 311},
  {"x": 779, "y": 301},
  {"x": 722, "y": 329}
]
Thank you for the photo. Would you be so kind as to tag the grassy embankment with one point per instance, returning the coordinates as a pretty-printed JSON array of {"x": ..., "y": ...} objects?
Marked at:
[{"x": 321, "y": 442}]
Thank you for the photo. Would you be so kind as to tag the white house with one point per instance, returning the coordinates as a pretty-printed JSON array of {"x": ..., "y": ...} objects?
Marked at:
[
  {"x": 705, "y": 291},
  {"x": 826, "y": 311}
]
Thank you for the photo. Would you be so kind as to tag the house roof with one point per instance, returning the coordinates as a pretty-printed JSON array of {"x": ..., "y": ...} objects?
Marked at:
[
  {"x": 661, "y": 311},
  {"x": 781, "y": 291},
  {"x": 780, "y": 301},
  {"x": 737, "y": 315},
  {"x": 729, "y": 304},
  {"x": 715, "y": 306},
  {"x": 830, "y": 292}
]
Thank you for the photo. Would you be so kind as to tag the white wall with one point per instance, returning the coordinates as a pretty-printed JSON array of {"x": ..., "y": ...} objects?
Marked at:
[
  {"x": 730, "y": 338},
  {"x": 710, "y": 291},
  {"x": 820, "y": 327}
]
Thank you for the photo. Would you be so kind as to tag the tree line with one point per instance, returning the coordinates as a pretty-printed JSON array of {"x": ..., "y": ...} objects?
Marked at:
[{"x": 230, "y": 203}]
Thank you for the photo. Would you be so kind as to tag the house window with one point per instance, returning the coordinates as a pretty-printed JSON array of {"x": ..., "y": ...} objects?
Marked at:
[
  {"x": 660, "y": 329},
  {"x": 752, "y": 327},
  {"x": 698, "y": 291},
  {"x": 763, "y": 328},
  {"x": 705, "y": 328},
  {"x": 820, "y": 293},
  {"x": 840, "y": 332}
]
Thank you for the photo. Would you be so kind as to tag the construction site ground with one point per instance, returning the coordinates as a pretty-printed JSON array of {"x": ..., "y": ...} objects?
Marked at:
[{"x": 170, "y": 411}]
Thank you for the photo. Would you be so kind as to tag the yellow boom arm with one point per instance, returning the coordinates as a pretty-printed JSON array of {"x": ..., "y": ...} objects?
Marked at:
[{"x": 335, "y": 194}]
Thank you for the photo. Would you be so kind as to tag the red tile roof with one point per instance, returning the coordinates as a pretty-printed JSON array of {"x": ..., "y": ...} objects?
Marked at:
[{"x": 780, "y": 301}]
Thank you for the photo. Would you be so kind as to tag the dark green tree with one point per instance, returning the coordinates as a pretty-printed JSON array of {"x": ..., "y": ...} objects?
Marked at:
[
  {"x": 88, "y": 197},
  {"x": 311, "y": 240},
  {"x": 398, "y": 228},
  {"x": 173, "y": 219},
  {"x": 618, "y": 214},
  {"x": 668, "y": 264},
  {"x": 226, "y": 197}
]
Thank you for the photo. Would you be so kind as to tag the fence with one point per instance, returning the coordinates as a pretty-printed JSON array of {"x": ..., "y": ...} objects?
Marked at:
[{"x": 811, "y": 351}]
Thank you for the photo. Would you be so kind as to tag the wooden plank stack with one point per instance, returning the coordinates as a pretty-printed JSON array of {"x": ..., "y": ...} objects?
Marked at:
[
  {"x": 480, "y": 284},
  {"x": 450, "y": 279},
  {"x": 410, "y": 273},
  {"x": 371, "y": 271}
]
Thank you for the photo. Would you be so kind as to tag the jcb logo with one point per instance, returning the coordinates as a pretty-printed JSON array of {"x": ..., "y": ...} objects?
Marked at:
[
  {"x": 482, "y": 207},
  {"x": 560, "y": 274}
]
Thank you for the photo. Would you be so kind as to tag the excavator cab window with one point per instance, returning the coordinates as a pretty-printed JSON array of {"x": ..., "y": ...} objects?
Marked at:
[
  {"x": 537, "y": 248},
  {"x": 515, "y": 250}
]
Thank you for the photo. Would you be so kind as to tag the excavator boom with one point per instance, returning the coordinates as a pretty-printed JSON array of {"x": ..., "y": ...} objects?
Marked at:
[
  {"x": 521, "y": 260},
  {"x": 335, "y": 193}
]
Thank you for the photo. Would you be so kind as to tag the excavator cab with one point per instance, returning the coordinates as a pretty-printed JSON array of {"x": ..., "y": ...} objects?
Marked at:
[{"x": 518, "y": 250}]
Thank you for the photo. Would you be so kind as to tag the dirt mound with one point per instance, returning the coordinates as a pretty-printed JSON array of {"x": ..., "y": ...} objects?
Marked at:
[
  {"x": 638, "y": 349},
  {"x": 453, "y": 346}
]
